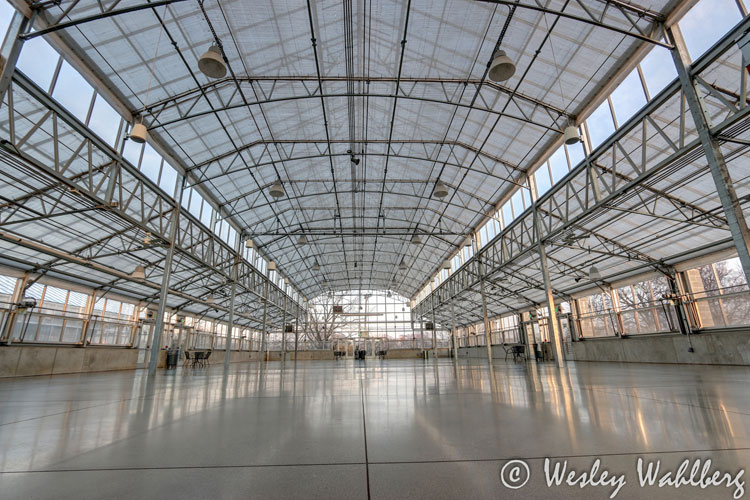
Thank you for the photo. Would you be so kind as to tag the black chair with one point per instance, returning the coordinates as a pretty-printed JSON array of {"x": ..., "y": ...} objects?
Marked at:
[
  {"x": 187, "y": 358},
  {"x": 198, "y": 357},
  {"x": 205, "y": 358},
  {"x": 518, "y": 352}
]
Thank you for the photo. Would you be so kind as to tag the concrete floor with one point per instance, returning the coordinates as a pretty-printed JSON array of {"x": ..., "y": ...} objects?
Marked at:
[{"x": 374, "y": 429}]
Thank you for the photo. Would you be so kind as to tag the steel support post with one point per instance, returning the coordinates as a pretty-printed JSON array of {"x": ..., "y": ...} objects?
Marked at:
[
  {"x": 159, "y": 324},
  {"x": 716, "y": 162},
  {"x": 10, "y": 50},
  {"x": 453, "y": 331},
  {"x": 421, "y": 330},
  {"x": 233, "y": 293},
  {"x": 434, "y": 329},
  {"x": 10, "y": 320},
  {"x": 263, "y": 331},
  {"x": 283, "y": 331},
  {"x": 296, "y": 330},
  {"x": 552, "y": 324},
  {"x": 487, "y": 329}
]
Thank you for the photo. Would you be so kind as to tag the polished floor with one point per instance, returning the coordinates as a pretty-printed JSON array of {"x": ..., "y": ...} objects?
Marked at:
[{"x": 374, "y": 429}]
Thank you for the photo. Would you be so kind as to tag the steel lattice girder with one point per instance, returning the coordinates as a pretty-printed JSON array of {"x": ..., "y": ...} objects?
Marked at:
[
  {"x": 119, "y": 188},
  {"x": 589, "y": 190}
]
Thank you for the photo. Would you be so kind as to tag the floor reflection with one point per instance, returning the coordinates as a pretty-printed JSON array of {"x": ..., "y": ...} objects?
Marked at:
[{"x": 414, "y": 410}]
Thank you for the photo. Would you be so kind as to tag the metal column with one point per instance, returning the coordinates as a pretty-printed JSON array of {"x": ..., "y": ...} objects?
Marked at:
[
  {"x": 453, "y": 331},
  {"x": 11, "y": 49},
  {"x": 263, "y": 331},
  {"x": 421, "y": 330},
  {"x": 716, "y": 162},
  {"x": 235, "y": 266},
  {"x": 283, "y": 331},
  {"x": 487, "y": 329},
  {"x": 159, "y": 324},
  {"x": 296, "y": 329},
  {"x": 552, "y": 325},
  {"x": 434, "y": 329}
]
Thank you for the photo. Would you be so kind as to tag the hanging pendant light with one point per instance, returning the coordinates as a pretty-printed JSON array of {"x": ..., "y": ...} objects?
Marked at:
[
  {"x": 403, "y": 265},
  {"x": 276, "y": 190},
  {"x": 271, "y": 266},
  {"x": 302, "y": 240},
  {"x": 138, "y": 133},
  {"x": 447, "y": 265},
  {"x": 212, "y": 64},
  {"x": 594, "y": 274},
  {"x": 138, "y": 273},
  {"x": 571, "y": 135},
  {"x": 147, "y": 239},
  {"x": 467, "y": 243},
  {"x": 502, "y": 67},
  {"x": 316, "y": 266},
  {"x": 210, "y": 299},
  {"x": 415, "y": 239},
  {"x": 441, "y": 190},
  {"x": 249, "y": 243}
]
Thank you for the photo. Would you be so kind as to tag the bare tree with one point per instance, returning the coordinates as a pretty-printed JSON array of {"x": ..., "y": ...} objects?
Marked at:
[{"x": 325, "y": 322}]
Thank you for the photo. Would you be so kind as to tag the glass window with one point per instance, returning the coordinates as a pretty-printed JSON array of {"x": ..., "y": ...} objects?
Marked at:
[
  {"x": 35, "y": 291},
  {"x": 542, "y": 180},
  {"x": 38, "y": 61},
  {"x": 706, "y": 23},
  {"x": 6, "y": 13},
  {"x": 168, "y": 180},
  {"x": 600, "y": 124},
  {"x": 558, "y": 165},
  {"x": 131, "y": 151},
  {"x": 730, "y": 273},
  {"x": 105, "y": 121},
  {"x": 658, "y": 70},
  {"x": 628, "y": 97},
  {"x": 507, "y": 213},
  {"x": 73, "y": 92},
  {"x": 576, "y": 154},
  {"x": 150, "y": 163},
  {"x": 196, "y": 200},
  {"x": 77, "y": 302},
  {"x": 517, "y": 201}
]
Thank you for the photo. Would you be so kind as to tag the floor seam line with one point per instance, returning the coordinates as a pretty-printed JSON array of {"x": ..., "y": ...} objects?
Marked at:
[{"x": 364, "y": 433}]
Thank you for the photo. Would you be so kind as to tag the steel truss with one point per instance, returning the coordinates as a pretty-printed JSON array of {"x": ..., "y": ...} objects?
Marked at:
[
  {"x": 99, "y": 179},
  {"x": 609, "y": 179}
]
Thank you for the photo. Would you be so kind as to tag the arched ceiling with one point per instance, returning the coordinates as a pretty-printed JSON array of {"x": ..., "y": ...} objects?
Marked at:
[{"x": 400, "y": 84}]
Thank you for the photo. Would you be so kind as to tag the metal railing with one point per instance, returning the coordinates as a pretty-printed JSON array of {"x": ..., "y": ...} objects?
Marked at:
[
  {"x": 44, "y": 325},
  {"x": 719, "y": 308}
]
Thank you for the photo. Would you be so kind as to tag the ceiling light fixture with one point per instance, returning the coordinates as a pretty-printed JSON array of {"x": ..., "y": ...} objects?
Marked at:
[
  {"x": 138, "y": 273},
  {"x": 403, "y": 265},
  {"x": 147, "y": 239},
  {"x": 316, "y": 266},
  {"x": 249, "y": 243},
  {"x": 501, "y": 67},
  {"x": 212, "y": 63},
  {"x": 447, "y": 265},
  {"x": 138, "y": 133},
  {"x": 271, "y": 266},
  {"x": 302, "y": 240},
  {"x": 441, "y": 190},
  {"x": 571, "y": 135},
  {"x": 276, "y": 190},
  {"x": 415, "y": 239},
  {"x": 594, "y": 274}
]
